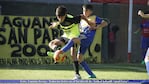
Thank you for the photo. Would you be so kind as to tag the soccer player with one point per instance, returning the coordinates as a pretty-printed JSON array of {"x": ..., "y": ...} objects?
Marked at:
[
  {"x": 144, "y": 33},
  {"x": 146, "y": 38},
  {"x": 70, "y": 27},
  {"x": 85, "y": 38}
]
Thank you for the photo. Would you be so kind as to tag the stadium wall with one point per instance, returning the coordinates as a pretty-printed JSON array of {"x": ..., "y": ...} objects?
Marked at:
[{"x": 115, "y": 13}]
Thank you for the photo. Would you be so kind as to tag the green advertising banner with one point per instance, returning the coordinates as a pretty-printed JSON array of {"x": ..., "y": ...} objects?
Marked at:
[{"x": 24, "y": 40}]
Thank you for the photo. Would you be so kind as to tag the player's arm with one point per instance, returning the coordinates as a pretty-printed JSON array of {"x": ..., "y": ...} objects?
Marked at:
[
  {"x": 137, "y": 31},
  {"x": 99, "y": 24},
  {"x": 141, "y": 13},
  {"x": 103, "y": 24},
  {"x": 90, "y": 23},
  {"x": 54, "y": 24},
  {"x": 77, "y": 19}
]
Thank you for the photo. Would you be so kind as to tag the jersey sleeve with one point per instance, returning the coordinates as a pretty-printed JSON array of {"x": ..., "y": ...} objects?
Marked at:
[
  {"x": 98, "y": 20},
  {"x": 76, "y": 19}
]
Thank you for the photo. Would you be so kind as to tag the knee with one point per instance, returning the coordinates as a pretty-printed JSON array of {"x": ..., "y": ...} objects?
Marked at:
[
  {"x": 74, "y": 58},
  {"x": 51, "y": 43},
  {"x": 80, "y": 58},
  {"x": 75, "y": 40}
]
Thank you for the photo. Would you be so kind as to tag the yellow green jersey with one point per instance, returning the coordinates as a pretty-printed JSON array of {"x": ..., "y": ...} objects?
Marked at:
[{"x": 70, "y": 26}]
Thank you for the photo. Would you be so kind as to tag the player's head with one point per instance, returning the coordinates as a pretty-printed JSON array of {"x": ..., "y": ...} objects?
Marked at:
[
  {"x": 87, "y": 9},
  {"x": 61, "y": 12}
]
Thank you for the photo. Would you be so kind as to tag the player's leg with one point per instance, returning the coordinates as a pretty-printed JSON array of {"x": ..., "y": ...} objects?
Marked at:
[
  {"x": 147, "y": 61},
  {"x": 70, "y": 44},
  {"x": 56, "y": 44},
  {"x": 85, "y": 66},
  {"x": 147, "y": 65},
  {"x": 81, "y": 51},
  {"x": 75, "y": 63},
  {"x": 144, "y": 46},
  {"x": 147, "y": 56},
  {"x": 143, "y": 54}
]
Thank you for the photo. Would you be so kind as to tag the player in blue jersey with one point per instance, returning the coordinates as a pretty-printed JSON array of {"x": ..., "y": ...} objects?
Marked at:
[
  {"x": 146, "y": 33},
  {"x": 70, "y": 27},
  {"x": 86, "y": 38}
]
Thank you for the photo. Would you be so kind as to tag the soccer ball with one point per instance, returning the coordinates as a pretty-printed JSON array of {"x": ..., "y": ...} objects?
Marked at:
[{"x": 59, "y": 57}]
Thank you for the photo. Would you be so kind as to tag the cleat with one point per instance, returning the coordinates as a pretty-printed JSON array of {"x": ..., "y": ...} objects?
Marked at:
[
  {"x": 50, "y": 53},
  {"x": 55, "y": 62},
  {"x": 143, "y": 62},
  {"x": 77, "y": 77},
  {"x": 92, "y": 76}
]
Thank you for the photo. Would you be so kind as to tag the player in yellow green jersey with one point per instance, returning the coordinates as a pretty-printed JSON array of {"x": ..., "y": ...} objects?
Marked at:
[{"x": 70, "y": 26}]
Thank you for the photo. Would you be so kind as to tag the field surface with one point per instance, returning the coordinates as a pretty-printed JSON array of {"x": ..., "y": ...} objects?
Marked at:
[{"x": 49, "y": 72}]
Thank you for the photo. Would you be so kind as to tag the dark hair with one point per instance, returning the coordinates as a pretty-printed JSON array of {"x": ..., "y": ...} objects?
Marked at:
[
  {"x": 88, "y": 6},
  {"x": 61, "y": 11}
]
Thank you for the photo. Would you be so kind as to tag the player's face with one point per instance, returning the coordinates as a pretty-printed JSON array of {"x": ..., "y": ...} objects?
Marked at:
[
  {"x": 61, "y": 18},
  {"x": 87, "y": 12}
]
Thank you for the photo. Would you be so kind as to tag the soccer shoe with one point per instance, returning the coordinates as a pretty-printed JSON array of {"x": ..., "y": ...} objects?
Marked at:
[
  {"x": 77, "y": 77},
  {"x": 92, "y": 76},
  {"x": 143, "y": 62},
  {"x": 49, "y": 53}
]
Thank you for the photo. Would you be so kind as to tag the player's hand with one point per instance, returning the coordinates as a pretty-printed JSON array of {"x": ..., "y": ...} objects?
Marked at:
[
  {"x": 53, "y": 24},
  {"x": 140, "y": 13},
  {"x": 50, "y": 27},
  {"x": 83, "y": 17},
  {"x": 135, "y": 32}
]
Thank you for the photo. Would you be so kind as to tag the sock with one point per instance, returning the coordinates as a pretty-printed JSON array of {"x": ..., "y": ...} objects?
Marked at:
[
  {"x": 76, "y": 67},
  {"x": 86, "y": 67},
  {"x": 68, "y": 46},
  {"x": 147, "y": 67},
  {"x": 57, "y": 48}
]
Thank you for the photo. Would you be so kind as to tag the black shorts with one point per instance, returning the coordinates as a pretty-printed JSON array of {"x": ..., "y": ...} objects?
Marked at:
[{"x": 63, "y": 39}]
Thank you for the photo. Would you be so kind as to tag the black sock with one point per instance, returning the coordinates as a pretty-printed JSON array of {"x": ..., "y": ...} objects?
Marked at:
[
  {"x": 76, "y": 67},
  {"x": 57, "y": 48}
]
